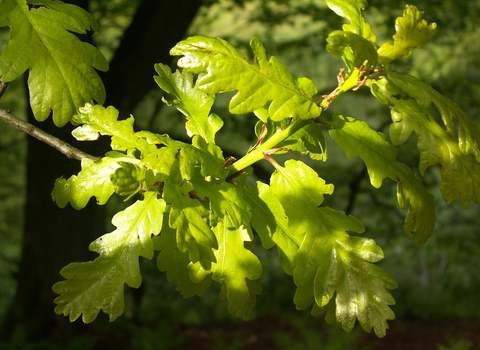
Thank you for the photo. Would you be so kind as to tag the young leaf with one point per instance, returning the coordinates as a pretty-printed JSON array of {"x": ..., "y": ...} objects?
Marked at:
[
  {"x": 93, "y": 180},
  {"x": 187, "y": 216},
  {"x": 237, "y": 268},
  {"x": 191, "y": 101},
  {"x": 95, "y": 285},
  {"x": 356, "y": 138},
  {"x": 62, "y": 76},
  {"x": 175, "y": 263},
  {"x": 128, "y": 178},
  {"x": 352, "y": 10},
  {"x": 98, "y": 120},
  {"x": 460, "y": 172},
  {"x": 412, "y": 31},
  {"x": 225, "y": 69}
]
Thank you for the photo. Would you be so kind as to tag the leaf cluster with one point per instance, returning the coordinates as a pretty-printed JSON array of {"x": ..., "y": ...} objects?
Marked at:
[{"x": 197, "y": 208}]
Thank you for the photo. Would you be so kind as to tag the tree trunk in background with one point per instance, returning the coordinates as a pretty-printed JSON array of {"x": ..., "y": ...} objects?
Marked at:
[
  {"x": 54, "y": 237},
  {"x": 157, "y": 26}
]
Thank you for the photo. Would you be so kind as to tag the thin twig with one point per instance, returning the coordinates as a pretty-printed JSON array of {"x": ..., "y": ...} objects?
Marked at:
[
  {"x": 32, "y": 130},
  {"x": 3, "y": 87}
]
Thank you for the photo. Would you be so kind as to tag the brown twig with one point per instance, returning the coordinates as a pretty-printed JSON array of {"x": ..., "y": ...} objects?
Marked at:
[{"x": 32, "y": 130}]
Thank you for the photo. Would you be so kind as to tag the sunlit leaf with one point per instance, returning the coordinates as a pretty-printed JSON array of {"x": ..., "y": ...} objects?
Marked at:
[
  {"x": 98, "y": 285},
  {"x": 268, "y": 81},
  {"x": 412, "y": 31},
  {"x": 62, "y": 74},
  {"x": 187, "y": 217},
  {"x": 237, "y": 268},
  {"x": 271, "y": 223},
  {"x": 357, "y": 139},
  {"x": 191, "y": 101},
  {"x": 437, "y": 145},
  {"x": 352, "y": 10},
  {"x": 98, "y": 120},
  {"x": 94, "y": 180},
  {"x": 175, "y": 262}
]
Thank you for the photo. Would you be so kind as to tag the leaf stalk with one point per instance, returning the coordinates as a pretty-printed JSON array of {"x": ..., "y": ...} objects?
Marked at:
[{"x": 258, "y": 153}]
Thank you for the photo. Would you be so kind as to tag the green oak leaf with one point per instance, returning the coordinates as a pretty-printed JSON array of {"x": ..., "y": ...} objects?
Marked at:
[
  {"x": 356, "y": 138},
  {"x": 95, "y": 285},
  {"x": 191, "y": 101},
  {"x": 460, "y": 172},
  {"x": 93, "y": 180},
  {"x": 358, "y": 51},
  {"x": 187, "y": 217},
  {"x": 412, "y": 31},
  {"x": 224, "y": 69},
  {"x": 237, "y": 269},
  {"x": 175, "y": 262},
  {"x": 344, "y": 271},
  {"x": 331, "y": 263},
  {"x": 62, "y": 74},
  {"x": 352, "y": 10},
  {"x": 450, "y": 112},
  {"x": 271, "y": 223},
  {"x": 98, "y": 120}
]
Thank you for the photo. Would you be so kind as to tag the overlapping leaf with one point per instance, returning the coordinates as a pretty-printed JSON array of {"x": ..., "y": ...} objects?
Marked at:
[
  {"x": 225, "y": 198},
  {"x": 95, "y": 285},
  {"x": 237, "y": 268},
  {"x": 460, "y": 170},
  {"x": 207, "y": 157},
  {"x": 93, "y": 180},
  {"x": 329, "y": 262},
  {"x": 175, "y": 262},
  {"x": 357, "y": 139},
  {"x": 187, "y": 217},
  {"x": 352, "y": 10},
  {"x": 98, "y": 120},
  {"x": 271, "y": 223},
  {"x": 62, "y": 74},
  {"x": 358, "y": 51},
  {"x": 308, "y": 140},
  {"x": 297, "y": 180},
  {"x": 412, "y": 31},
  {"x": 225, "y": 69},
  {"x": 468, "y": 132},
  {"x": 191, "y": 101}
]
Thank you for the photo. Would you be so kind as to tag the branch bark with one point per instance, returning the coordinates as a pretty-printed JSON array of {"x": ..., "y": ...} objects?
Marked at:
[{"x": 65, "y": 148}]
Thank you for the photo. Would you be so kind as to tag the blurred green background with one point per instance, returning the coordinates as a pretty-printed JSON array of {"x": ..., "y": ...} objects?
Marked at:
[{"x": 438, "y": 301}]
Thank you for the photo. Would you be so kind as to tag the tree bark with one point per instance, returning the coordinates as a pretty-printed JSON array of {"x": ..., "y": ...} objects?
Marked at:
[
  {"x": 54, "y": 237},
  {"x": 157, "y": 26}
]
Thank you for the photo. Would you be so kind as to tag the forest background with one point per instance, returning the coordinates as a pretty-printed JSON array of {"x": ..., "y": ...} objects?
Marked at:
[{"x": 439, "y": 283}]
